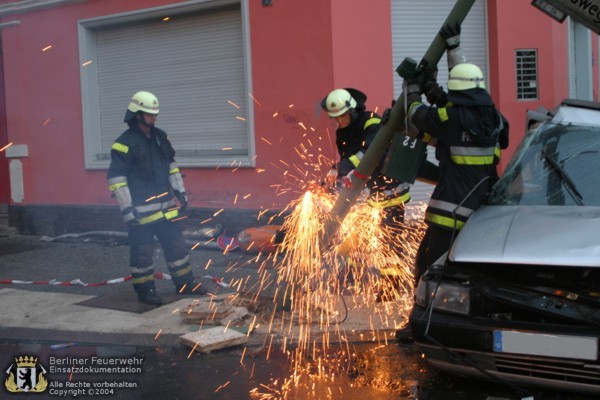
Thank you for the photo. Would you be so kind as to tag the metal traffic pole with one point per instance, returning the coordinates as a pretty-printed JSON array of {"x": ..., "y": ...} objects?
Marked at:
[{"x": 396, "y": 123}]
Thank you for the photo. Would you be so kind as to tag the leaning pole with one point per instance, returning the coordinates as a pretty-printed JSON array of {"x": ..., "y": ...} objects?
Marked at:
[{"x": 396, "y": 123}]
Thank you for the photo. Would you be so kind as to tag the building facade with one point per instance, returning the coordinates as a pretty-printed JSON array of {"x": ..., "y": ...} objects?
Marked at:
[{"x": 239, "y": 84}]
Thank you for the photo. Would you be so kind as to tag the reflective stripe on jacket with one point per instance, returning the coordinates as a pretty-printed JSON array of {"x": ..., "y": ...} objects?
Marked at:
[
  {"x": 467, "y": 170},
  {"x": 142, "y": 175}
]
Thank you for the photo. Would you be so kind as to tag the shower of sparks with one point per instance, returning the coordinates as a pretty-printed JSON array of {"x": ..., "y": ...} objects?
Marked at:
[
  {"x": 46, "y": 122},
  {"x": 47, "y": 48},
  {"x": 315, "y": 288},
  {"x": 240, "y": 118},
  {"x": 318, "y": 285},
  {"x": 85, "y": 64},
  {"x": 165, "y": 19}
]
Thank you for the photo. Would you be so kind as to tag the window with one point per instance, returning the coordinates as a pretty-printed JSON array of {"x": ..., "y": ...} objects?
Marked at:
[
  {"x": 527, "y": 82},
  {"x": 194, "y": 58}
]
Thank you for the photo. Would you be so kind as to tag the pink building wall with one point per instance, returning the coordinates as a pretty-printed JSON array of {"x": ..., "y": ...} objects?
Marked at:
[
  {"x": 291, "y": 53},
  {"x": 300, "y": 51},
  {"x": 512, "y": 25}
]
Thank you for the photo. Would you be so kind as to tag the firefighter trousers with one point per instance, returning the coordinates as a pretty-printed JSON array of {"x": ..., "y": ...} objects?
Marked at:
[
  {"x": 434, "y": 244},
  {"x": 141, "y": 255}
]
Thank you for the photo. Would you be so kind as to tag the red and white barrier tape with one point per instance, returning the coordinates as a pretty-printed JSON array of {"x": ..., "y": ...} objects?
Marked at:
[
  {"x": 79, "y": 282},
  {"x": 217, "y": 281}
]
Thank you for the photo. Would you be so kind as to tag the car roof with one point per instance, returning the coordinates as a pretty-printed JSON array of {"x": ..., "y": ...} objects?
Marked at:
[{"x": 577, "y": 112}]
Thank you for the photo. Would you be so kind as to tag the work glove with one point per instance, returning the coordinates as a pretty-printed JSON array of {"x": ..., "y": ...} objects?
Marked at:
[
  {"x": 183, "y": 200},
  {"x": 430, "y": 74},
  {"x": 451, "y": 35},
  {"x": 385, "y": 117},
  {"x": 131, "y": 216},
  {"x": 347, "y": 179},
  {"x": 331, "y": 177},
  {"x": 435, "y": 94}
]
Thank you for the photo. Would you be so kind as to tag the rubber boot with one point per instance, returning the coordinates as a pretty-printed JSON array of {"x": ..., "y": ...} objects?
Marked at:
[
  {"x": 143, "y": 284},
  {"x": 149, "y": 297}
]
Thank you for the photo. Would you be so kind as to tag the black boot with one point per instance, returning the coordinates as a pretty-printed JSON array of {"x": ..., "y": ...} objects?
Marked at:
[{"x": 149, "y": 297}]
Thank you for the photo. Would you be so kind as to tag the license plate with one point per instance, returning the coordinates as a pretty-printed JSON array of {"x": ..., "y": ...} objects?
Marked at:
[{"x": 540, "y": 344}]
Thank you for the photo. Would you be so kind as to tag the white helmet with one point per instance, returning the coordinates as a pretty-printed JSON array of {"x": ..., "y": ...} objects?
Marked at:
[
  {"x": 338, "y": 102},
  {"x": 145, "y": 102},
  {"x": 465, "y": 76}
]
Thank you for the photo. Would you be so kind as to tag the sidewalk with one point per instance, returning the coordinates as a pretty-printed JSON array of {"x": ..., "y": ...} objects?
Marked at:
[{"x": 110, "y": 314}]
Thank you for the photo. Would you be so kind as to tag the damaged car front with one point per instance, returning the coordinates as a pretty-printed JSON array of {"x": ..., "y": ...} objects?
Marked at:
[{"x": 517, "y": 298}]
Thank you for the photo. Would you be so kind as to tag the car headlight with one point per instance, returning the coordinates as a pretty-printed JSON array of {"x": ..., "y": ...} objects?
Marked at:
[{"x": 449, "y": 297}]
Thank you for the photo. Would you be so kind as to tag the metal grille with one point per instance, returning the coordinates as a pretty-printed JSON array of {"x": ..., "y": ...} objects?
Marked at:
[{"x": 527, "y": 75}]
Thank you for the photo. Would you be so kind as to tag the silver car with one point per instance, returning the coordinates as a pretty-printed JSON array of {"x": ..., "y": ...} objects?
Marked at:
[{"x": 517, "y": 298}]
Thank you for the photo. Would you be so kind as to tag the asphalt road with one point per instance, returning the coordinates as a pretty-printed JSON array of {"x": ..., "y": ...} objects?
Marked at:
[{"x": 375, "y": 369}]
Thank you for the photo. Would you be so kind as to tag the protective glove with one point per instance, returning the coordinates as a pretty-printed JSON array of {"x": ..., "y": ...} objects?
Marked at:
[
  {"x": 131, "y": 216},
  {"x": 430, "y": 74},
  {"x": 385, "y": 117},
  {"x": 347, "y": 179},
  {"x": 435, "y": 94},
  {"x": 331, "y": 177},
  {"x": 183, "y": 200},
  {"x": 451, "y": 35}
]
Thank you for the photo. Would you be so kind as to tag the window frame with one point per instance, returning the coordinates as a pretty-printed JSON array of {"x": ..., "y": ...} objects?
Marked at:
[
  {"x": 522, "y": 92},
  {"x": 95, "y": 157}
]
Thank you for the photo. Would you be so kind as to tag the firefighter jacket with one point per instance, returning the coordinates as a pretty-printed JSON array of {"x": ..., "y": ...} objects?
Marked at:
[
  {"x": 143, "y": 175},
  {"x": 470, "y": 133},
  {"x": 352, "y": 143}
]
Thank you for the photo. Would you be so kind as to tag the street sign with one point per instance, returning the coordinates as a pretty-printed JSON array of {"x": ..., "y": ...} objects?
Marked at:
[
  {"x": 586, "y": 12},
  {"x": 550, "y": 10}
]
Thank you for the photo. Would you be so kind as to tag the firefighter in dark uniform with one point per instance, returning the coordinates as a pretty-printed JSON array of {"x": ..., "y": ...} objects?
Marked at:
[
  {"x": 357, "y": 128},
  {"x": 469, "y": 133},
  {"x": 144, "y": 178}
]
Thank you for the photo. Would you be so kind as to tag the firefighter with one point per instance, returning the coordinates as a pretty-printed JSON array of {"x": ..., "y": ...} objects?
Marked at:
[
  {"x": 356, "y": 130},
  {"x": 144, "y": 178},
  {"x": 469, "y": 133}
]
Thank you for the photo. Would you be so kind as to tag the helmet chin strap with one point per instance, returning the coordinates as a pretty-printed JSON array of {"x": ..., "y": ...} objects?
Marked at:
[{"x": 353, "y": 114}]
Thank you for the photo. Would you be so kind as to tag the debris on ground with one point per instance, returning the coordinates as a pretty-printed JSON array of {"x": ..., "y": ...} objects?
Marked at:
[{"x": 215, "y": 338}]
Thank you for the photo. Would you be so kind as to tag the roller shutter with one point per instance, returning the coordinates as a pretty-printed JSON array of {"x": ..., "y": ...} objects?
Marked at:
[{"x": 195, "y": 64}]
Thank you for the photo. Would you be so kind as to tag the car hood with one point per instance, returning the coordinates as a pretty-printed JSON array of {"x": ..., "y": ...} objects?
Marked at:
[{"x": 540, "y": 235}]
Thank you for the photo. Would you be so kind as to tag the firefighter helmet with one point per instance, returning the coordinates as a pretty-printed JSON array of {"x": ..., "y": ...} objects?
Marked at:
[
  {"x": 145, "y": 102},
  {"x": 338, "y": 102},
  {"x": 465, "y": 76}
]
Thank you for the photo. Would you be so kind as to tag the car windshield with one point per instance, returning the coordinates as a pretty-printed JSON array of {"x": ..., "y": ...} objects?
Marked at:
[{"x": 555, "y": 164}]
